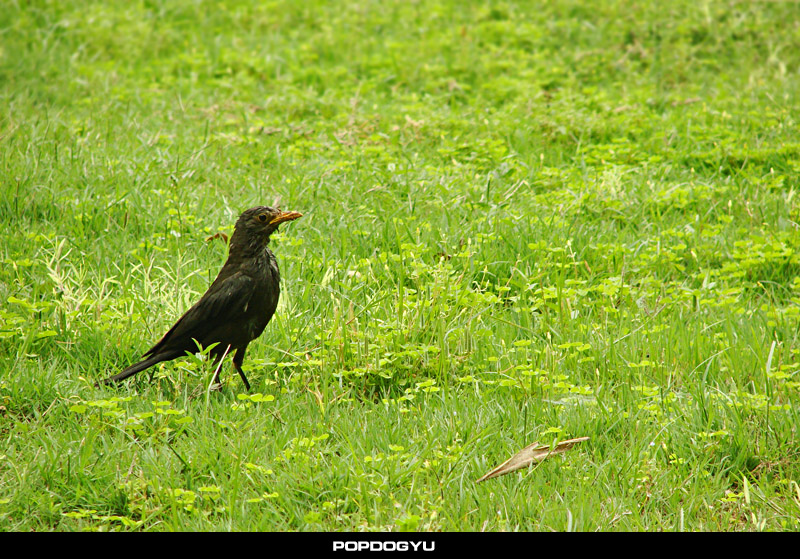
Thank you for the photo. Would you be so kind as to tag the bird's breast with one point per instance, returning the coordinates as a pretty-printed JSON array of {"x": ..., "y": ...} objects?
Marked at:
[{"x": 258, "y": 310}]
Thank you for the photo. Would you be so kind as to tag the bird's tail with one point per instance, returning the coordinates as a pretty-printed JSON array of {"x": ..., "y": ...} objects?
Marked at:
[{"x": 140, "y": 366}]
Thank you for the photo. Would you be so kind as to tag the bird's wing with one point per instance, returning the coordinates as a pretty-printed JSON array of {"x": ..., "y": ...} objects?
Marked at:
[{"x": 223, "y": 302}]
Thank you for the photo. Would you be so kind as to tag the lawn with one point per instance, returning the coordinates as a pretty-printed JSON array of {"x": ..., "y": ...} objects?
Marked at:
[{"x": 523, "y": 221}]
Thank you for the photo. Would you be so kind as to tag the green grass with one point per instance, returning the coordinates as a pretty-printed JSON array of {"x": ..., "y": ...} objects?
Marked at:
[{"x": 523, "y": 221}]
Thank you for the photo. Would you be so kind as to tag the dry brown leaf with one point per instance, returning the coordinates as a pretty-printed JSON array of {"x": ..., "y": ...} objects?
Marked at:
[
  {"x": 531, "y": 454},
  {"x": 219, "y": 235}
]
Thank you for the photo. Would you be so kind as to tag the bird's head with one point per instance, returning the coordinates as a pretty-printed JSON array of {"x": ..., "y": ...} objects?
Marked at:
[{"x": 255, "y": 225}]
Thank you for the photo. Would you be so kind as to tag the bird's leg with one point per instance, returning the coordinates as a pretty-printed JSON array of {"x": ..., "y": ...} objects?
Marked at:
[{"x": 238, "y": 359}]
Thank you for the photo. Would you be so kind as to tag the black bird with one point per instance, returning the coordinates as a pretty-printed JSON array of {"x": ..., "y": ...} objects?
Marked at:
[{"x": 237, "y": 306}]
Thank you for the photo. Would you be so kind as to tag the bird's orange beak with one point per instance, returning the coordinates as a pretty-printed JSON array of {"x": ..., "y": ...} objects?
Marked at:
[{"x": 285, "y": 216}]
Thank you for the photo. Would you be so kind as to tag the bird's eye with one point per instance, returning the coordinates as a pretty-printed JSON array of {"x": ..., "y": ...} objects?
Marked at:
[{"x": 262, "y": 217}]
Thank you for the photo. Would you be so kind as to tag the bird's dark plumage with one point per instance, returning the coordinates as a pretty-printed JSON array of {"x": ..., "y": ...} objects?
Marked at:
[{"x": 238, "y": 304}]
